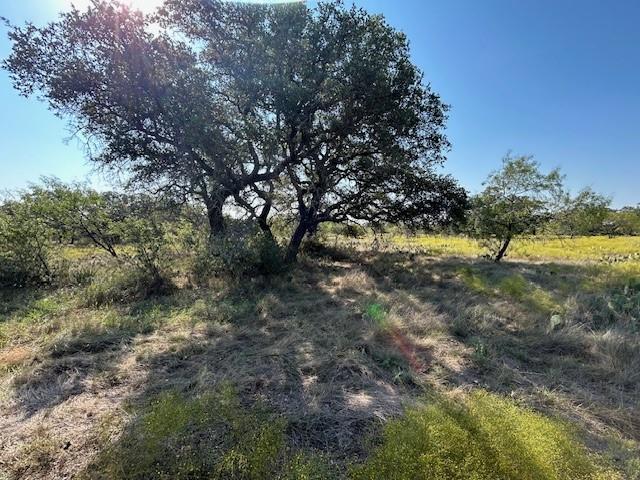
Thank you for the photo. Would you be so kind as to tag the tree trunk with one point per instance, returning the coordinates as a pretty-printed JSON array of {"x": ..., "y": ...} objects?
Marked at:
[
  {"x": 215, "y": 217},
  {"x": 503, "y": 249},
  {"x": 296, "y": 240},
  {"x": 262, "y": 219},
  {"x": 112, "y": 251}
]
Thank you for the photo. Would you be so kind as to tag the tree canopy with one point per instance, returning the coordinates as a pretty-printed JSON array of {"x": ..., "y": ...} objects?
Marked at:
[
  {"x": 517, "y": 200},
  {"x": 318, "y": 110}
]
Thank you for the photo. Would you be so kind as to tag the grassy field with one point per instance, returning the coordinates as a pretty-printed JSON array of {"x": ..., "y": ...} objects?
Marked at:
[
  {"x": 416, "y": 359},
  {"x": 596, "y": 248}
]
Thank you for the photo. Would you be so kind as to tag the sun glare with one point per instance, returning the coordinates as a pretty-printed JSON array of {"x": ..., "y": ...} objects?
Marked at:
[
  {"x": 148, "y": 5},
  {"x": 144, "y": 5}
]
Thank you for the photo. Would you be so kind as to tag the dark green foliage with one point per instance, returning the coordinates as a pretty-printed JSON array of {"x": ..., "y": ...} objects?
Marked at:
[{"x": 242, "y": 250}]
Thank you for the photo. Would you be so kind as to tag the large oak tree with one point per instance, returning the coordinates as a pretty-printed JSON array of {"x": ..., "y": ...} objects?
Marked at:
[{"x": 320, "y": 109}]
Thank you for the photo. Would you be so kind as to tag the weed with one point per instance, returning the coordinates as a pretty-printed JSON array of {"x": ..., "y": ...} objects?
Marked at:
[
  {"x": 376, "y": 313},
  {"x": 481, "y": 354}
]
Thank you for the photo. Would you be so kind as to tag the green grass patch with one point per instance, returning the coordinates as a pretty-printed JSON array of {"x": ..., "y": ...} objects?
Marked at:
[
  {"x": 486, "y": 437},
  {"x": 378, "y": 314},
  {"x": 211, "y": 436},
  {"x": 511, "y": 287},
  {"x": 514, "y": 286},
  {"x": 474, "y": 280}
]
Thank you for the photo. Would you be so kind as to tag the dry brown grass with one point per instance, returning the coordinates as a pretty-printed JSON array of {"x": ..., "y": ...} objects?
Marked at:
[
  {"x": 337, "y": 346},
  {"x": 14, "y": 357}
]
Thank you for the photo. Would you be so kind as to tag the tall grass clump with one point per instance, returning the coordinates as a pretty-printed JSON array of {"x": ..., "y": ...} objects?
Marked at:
[
  {"x": 485, "y": 437},
  {"x": 124, "y": 284}
]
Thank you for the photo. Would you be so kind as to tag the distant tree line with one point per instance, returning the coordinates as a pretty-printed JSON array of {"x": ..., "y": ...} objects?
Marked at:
[{"x": 137, "y": 228}]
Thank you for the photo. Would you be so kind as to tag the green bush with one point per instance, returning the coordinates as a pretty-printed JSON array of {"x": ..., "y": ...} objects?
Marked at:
[
  {"x": 242, "y": 250},
  {"x": 25, "y": 245},
  {"x": 487, "y": 437}
]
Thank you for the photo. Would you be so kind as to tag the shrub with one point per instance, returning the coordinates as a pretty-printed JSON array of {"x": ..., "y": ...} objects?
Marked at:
[
  {"x": 242, "y": 250},
  {"x": 270, "y": 255},
  {"x": 25, "y": 246},
  {"x": 124, "y": 284},
  {"x": 486, "y": 437},
  {"x": 148, "y": 248},
  {"x": 141, "y": 270}
]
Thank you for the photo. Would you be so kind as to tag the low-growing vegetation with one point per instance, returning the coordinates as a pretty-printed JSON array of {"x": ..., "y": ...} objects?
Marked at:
[
  {"x": 353, "y": 363},
  {"x": 210, "y": 436},
  {"x": 484, "y": 437}
]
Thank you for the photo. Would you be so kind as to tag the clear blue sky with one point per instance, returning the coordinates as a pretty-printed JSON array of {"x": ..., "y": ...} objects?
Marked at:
[{"x": 559, "y": 79}]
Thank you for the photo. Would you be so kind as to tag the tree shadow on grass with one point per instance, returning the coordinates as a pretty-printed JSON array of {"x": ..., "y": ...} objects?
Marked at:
[
  {"x": 68, "y": 365},
  {"x": 505, "y": 314},
  {"x": 308, "y": 346},
  {"x": 303, "y": 350}
]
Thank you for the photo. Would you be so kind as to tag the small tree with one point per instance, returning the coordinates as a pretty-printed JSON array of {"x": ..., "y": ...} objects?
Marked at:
[
  {"x": 25, "y": 243},
  {"x": 518, "y": 200},
  {"x": 625, "y": 221},
  {"x": 584, "y": 214},
  {"x": 75, "y": 211}
]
